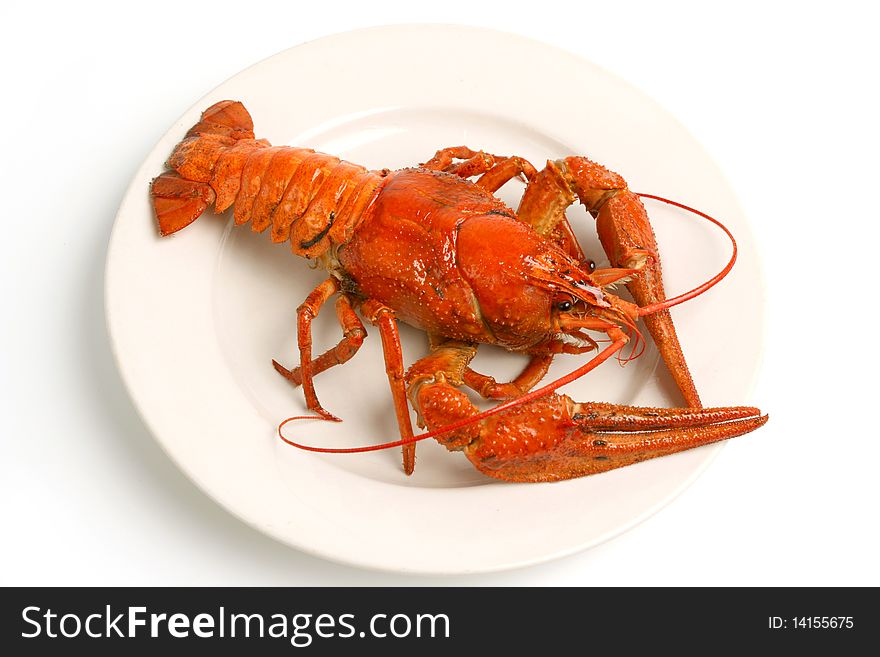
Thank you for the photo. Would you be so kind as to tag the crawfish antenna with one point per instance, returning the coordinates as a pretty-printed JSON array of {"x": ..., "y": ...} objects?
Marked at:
[{"x": 697, "y": 291}]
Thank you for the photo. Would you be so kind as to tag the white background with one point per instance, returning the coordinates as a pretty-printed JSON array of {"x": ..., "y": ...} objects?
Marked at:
[{"x": 783, "y": 95}]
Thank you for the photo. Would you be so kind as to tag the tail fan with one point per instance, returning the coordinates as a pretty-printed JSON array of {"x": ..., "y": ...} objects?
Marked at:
[
  {"x": 178, "y": 200},
  {"x": 228, "y": 118}
]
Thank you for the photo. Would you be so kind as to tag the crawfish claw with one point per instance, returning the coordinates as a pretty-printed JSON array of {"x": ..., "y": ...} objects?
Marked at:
[
  {"x": 554, "y": 438},
  {"x": 629, "y": 242}
]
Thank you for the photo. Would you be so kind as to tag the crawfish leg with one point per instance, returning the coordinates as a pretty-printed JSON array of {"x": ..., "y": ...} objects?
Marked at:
[
  {"x": 626, "y": 236},
  {"x": 353, "y": 334},
  {"x": 304, "y": 315},
  {"x": 383, "y": 317},
  {"x": 452, "y": 357},
  {"x": 489, "y": 388},
  {"x": 494, "y": 170},
  {"x": 534, "y": 371},
  {"x": 505, "y": 170},
  {"x": 444, "y": 158},
  {"x": 473, "y": 163}
]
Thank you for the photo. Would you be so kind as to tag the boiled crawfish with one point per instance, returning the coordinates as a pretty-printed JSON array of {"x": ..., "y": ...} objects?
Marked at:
[{"x": 428, "y": 247}]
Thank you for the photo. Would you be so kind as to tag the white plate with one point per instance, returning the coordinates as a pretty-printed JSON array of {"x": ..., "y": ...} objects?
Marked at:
[{"x": 196, "y": 318}]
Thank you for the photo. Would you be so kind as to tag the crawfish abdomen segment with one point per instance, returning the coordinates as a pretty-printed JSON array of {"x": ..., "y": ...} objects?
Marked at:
[{"x": 306, "y": 197}]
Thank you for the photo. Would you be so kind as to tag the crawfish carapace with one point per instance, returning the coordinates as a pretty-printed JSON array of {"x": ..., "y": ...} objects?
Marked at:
[{"x": 431, "y": 247}]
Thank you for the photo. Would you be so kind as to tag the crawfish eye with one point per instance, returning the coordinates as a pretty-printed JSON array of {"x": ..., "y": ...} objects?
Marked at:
[
  {"x": 564, "y": 306},
  {"x": 591, "y": 266}
]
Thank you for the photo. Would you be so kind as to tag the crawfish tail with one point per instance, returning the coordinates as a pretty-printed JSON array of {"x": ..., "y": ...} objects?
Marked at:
[{"x": 313, "y": 200}]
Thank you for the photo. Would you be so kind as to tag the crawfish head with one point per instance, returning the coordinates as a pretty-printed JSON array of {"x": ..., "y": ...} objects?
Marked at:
[{"x": 531, "y": 293}]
